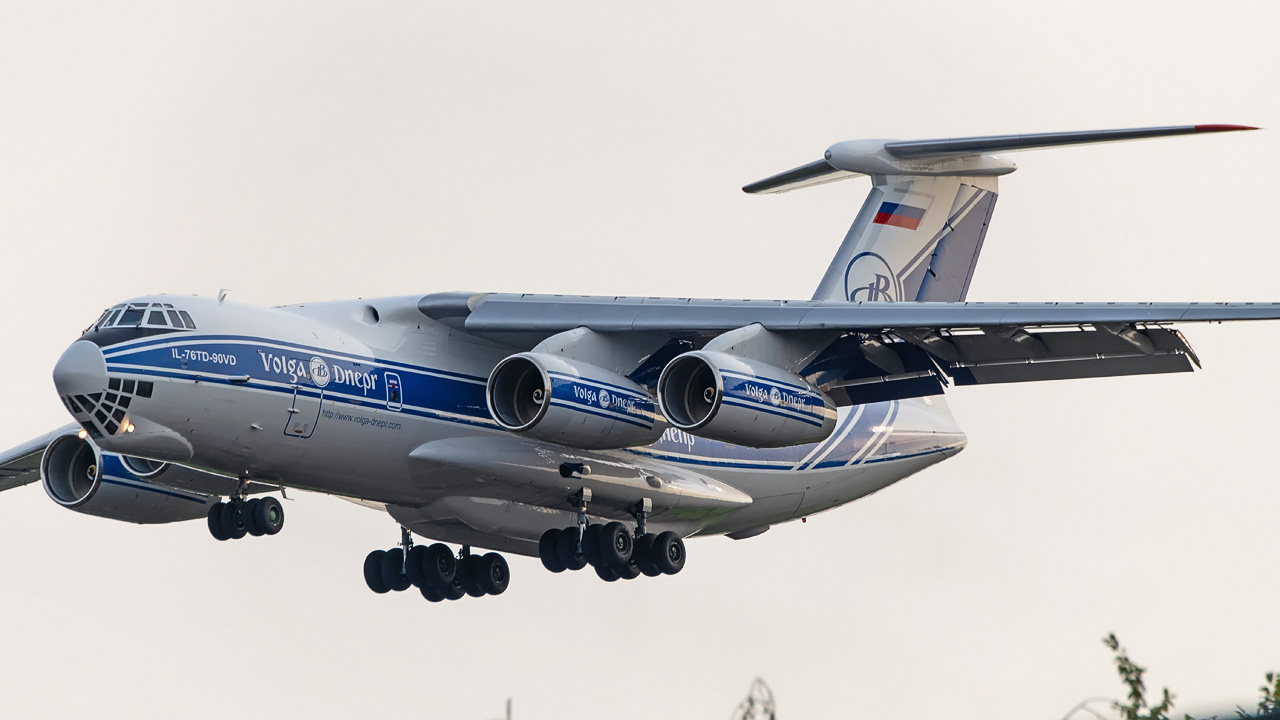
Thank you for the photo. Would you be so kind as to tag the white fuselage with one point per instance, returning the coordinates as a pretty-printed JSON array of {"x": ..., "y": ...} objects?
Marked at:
[{"x": 337, "y": 397}]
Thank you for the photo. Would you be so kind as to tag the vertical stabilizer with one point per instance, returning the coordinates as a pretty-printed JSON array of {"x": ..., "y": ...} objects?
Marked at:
[
  {"x": 915, "y": 239},
  {"x": 920, "y": 231}
]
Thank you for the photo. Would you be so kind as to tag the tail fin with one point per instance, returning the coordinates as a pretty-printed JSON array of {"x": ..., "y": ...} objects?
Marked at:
[{"x": 920, "y": 230}]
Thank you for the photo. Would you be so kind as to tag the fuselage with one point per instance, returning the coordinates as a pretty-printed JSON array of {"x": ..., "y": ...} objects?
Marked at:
[{"x": 335, "y": 397}]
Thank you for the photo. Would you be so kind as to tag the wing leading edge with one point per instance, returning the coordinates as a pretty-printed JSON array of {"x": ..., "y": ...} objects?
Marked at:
[{"x": 871, "y": 352}]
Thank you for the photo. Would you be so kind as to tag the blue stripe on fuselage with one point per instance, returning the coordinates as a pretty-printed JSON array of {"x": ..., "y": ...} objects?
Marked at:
[{"x": 359, "y": 381}]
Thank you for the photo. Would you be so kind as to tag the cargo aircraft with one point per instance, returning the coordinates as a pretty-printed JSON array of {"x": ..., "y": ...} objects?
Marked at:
[{"x": 596, "y": 431}]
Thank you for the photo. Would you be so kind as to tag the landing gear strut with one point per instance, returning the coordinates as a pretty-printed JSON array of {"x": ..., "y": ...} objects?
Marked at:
[
  {"x": 611, "y": 549},
  {"x": 435, "y": 571},
  {"x": 238, "y": 517}
]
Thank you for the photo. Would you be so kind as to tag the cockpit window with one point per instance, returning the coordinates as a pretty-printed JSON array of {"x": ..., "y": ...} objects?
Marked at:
[
  {"x": 187, "y": 319},
  {"x": 157, "y": 318},
  {"x": 112, "y": 320},
  {"x": 174, "y": 319},
  {"x": 132, "y": 316}
]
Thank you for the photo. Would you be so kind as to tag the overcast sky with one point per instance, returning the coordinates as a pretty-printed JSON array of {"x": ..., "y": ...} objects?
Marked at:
[{"x": 312, "y": 150}]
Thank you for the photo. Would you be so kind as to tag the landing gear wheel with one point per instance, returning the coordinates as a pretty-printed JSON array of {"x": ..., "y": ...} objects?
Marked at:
[
  {"x": 251, "y": 517},
  {"x": 440, "y": 565},
  {"x": 234, "y": 523},
  {"x": 215, "y": 522},
  {"x": 393, "y": 570},
  {"x": 567, "y": 550},
  {"x": 492, "y": 574},
  {"x": 642, "y": 555},
  {"x": 606, "y": 573},
  {"x": 415, "y": 568},
  {"x": 453, "y": 591},
  {"x": 433, "y": 594},
  {"x": 591, "y": 545},
  {"x": 268, "y": 515},
  {"x": 373, "y": 572},
  {"x": 629, "y": 570},
  {"x": 468, "y": 575},
  {"x": 667, "y": 553},
  {"x": 614, "y": 544},
  {"x": 546, "y": 550}
]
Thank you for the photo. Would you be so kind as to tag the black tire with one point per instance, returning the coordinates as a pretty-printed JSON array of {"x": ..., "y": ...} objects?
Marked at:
[
  {"x": 547, "y": 551},
  {"x": 642, "y": 553},
  {"x": 251, "y": 517},
  {"x": 234, "y": 523},
  {"x": 492, "y": 574},
  {"x": 393, "y": 575},
  {"x": 614, "y": 544},
  {"x": 432, "y": 594},
  {"x": 215, "y": 521},
  {"x": 453, "y": 591},
  {"x": 468, "y": 576},
  {"x": 567, "y": 550},
  {"x": 268, "y": 515},
  {"x": 667, "y": 553},
  {"x": 628, "y": 571},
  {"x": 415, "y": 567},
  {"x": 440, "y": 565},
  {"x": 606, "y": 573},
  {"x": 590, "y": 544},
  {"x": 373, "y": 572}
]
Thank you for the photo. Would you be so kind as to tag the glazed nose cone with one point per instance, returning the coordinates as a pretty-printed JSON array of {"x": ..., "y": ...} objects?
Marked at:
[{"x": 81, "y": 370}]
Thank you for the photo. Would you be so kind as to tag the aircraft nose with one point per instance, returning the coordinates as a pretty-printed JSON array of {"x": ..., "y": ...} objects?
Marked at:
[{"x": 81, "y": 370}]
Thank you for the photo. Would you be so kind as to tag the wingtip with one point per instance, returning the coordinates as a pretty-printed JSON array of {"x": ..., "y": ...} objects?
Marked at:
[{"x": 1223, "y": 128}]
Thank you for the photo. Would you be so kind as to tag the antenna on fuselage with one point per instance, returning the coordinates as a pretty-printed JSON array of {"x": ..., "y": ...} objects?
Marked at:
[{"x": 222, "y": 294}]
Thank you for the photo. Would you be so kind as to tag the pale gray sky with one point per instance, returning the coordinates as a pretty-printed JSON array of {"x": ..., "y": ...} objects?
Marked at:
[{"x": 296, "y": 151}]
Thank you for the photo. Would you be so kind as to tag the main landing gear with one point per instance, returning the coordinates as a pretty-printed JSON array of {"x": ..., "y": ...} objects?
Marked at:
[
  {"x": 611, "y": 549},
  {"x": 435, "y": 571},
  {"x": 239, "y": 517}
]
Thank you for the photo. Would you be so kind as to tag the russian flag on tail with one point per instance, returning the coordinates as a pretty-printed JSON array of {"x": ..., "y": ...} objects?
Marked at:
[{"x": 899, "y": 215}]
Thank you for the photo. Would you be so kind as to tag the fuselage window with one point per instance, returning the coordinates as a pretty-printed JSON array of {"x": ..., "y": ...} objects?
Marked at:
[
  {"x": 157, "y": 318},
  {"x": 187, "y": 318},
  {"x": 132, "y": 316},
  {"x": 174, "y": 320}
]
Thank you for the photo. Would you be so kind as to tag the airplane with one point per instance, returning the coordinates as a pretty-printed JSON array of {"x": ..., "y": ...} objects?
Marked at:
[{"x": 598, "y": 431}]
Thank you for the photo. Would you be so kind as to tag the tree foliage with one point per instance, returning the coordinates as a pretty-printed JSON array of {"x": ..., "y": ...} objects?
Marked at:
[
  {"x": 1131, "y": 675},
  {"x": 1139, "y": 708}
]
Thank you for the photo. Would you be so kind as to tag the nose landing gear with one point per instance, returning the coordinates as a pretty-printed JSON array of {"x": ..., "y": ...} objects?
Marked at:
[{"x": 238, "y": 517}]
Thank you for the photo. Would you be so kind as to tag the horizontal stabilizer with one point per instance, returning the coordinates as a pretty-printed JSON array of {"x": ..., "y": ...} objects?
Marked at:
[
  {"x": 956, "y": 147},
  {"x": 815, "y": 173},
  {"x": 969, "y": 156}
]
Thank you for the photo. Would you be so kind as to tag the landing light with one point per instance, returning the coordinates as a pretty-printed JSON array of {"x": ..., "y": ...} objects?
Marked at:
[
  {"x": 82, "y": 434},
  {"x": 129, "y": 428}
]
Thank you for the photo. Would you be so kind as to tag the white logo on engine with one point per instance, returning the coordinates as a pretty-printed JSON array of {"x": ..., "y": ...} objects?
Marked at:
[
  {"x": 775, "y": 396},
  {"x": 605, "y": 400}
]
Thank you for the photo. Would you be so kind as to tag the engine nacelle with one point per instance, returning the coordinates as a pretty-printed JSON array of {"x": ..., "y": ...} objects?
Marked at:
[
  {"x": 572, "y": 403},
  {"x": 77, "y": 475},
  {"x": 743, "y": 401}
]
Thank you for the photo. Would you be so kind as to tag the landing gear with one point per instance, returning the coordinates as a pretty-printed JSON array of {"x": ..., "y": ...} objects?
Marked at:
[
  {"x": 611, "y": 549},
  {"x": 435, "y": 571},
  {"x": 237, "y": 518}
]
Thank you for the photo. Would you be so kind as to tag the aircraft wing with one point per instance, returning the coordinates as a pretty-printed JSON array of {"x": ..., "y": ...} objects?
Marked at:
[
  {"x": 873, "y": 351},
  {"x": 21, "y": 465}
]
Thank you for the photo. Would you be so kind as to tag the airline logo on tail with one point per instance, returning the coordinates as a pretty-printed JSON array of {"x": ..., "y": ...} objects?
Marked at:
[
  {"x": 899, "y": 215},
  {"x": 870, "y": 279}
]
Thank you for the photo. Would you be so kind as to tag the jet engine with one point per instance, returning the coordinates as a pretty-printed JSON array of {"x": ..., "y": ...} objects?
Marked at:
[
  {"x": 572, "y": 403},
  {"x": 743, "y": 401},
  {"x": 77, "y": 475}
]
